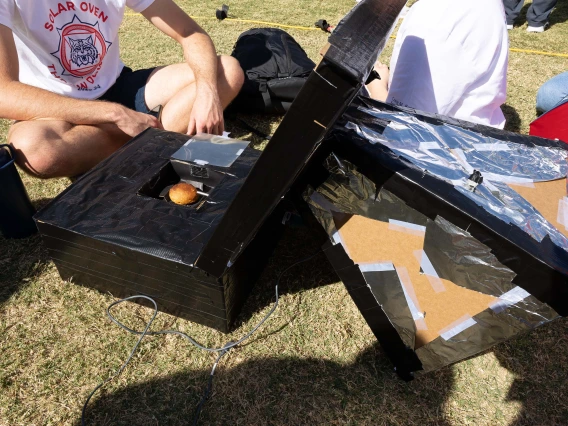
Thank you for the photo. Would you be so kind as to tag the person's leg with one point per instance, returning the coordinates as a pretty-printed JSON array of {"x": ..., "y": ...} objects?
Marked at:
[
  {"x": 539, "y": 11},
  {"x": 173, "y": 87},
  {"x": 552, "y": 93},
  {"x": 48, "y": 149},
  {"x": 512, "y": 10}
]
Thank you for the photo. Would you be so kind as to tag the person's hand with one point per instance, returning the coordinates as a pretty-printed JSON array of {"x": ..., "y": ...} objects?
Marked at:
[
  {"x": 207, "y": 112},
  {"x": 133, "y": 123},
  {"x": 383, "y": 71}
]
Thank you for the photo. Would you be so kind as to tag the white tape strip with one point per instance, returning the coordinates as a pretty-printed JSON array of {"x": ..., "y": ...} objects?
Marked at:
[
  {"x": 429, "y": 271},
  {"x": 337, "y": 238},
  {"x": 376, "y": 267},
  {"x": 562, "y": 217},
  {"x": 201, "y": 162},
  {"x": 409, "y": 294},
  {"x": 491, "y": 147},
  {"x": 411, "y": 228},
  {"x": 510, "y": 298},
  {"x": 239, "y": 152},
  {"x": 429, "y": 145},
  {"x": 460, "y": 156},
  {"x": 457, "y": 329}
]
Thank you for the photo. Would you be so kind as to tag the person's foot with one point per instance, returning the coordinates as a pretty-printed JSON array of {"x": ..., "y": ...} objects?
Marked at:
[
  {"x": 509, "y": 27},
  {"x": 531, "y": 29}
]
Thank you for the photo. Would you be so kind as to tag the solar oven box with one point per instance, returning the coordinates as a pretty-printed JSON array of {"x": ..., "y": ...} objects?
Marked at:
[{"x": 116, "y": 230}]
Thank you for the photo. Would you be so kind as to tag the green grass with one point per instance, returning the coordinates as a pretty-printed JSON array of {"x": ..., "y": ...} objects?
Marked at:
[{"x": 314, "y": 362}]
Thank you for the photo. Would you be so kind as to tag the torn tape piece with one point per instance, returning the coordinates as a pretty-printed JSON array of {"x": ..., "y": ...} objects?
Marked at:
[
  {"x": 457, "y": 327},
  {"x": 428, "y": 269},
  {"x": 409, "y": 228},
  {"x": 565, "y": 216},
  {"x": 421, "y": 324},
  {"x": 409, "y": 294},
  {"x": 513, "y": 180},
  {"x": 491, "y": 147},
  {"x": 429, "y": 145},
  {"x": 397, "y": 126},
  {"x": 562, "y": 217},
  {"x": 201, "y": 162},
  {"x": 510, "y": 298},
  {"x": 336, "y": 238},
  {"x": 376, "y": 267},
  {"x": 460, "y": 156}
]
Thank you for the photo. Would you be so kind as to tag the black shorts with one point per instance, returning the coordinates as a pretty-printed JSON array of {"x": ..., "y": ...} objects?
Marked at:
[{"x": 130, "y": 89}]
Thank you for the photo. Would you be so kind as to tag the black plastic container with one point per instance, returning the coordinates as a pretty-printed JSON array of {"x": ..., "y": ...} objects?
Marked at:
[{"x": 16, "y": 210}]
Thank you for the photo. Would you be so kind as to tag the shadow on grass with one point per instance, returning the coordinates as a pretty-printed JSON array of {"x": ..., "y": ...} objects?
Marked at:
[
  {"x": 21, "y": 261},
  {"x": 297, "y": 243},
  {"x": 283, "y": 391},
  {"x": 513, "y": 120},
  {"x": 262, "y": 123},
  {"x": 539, "y": 360},
  {"x": 559, "y": 14}
]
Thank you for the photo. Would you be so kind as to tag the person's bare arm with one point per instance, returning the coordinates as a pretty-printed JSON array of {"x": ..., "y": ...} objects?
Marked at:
[
  {"x": 378, "y": 89},
  {"x": 199, "y": 53},
  {"x": 20, "y": 101}
]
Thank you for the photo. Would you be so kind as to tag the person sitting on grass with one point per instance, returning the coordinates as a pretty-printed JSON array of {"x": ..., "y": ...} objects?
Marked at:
[
  {"x": 450, "y": 57},
  {"x": 74, "y": 102},
  {"x": 553, "y": 93}
]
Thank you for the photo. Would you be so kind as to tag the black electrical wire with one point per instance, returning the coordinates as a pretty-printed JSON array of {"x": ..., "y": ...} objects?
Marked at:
[{"x": 222, "y": 351}]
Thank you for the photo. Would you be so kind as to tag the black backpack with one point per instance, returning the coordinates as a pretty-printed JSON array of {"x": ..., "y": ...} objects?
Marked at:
[{"x": 276, "y": 67}]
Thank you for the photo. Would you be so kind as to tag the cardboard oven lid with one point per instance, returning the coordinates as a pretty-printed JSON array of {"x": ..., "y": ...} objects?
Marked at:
[{"x": 352, "y": 51}]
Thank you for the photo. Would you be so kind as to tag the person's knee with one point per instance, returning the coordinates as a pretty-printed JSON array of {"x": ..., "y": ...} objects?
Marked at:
[
  {"x": 233, "y": 73},
  {"x": 34, "y": 156},
  {"x": 552, "y": 92}
]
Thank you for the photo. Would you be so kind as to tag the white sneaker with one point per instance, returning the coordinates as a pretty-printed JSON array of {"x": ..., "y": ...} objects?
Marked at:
[
  {"x": 509, "y": 27},
  {"x": 537, "y": 29}
]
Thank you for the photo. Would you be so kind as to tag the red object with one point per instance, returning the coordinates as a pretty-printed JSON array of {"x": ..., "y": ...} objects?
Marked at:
[{"x": 552, "y": 124}]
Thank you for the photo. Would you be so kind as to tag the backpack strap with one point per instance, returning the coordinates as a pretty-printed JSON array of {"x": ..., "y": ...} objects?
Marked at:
[{"x": 263, "y": 87}]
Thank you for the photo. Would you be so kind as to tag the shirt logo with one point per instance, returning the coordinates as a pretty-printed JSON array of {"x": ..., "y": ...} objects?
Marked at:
[{"x": 82, "y": 48}]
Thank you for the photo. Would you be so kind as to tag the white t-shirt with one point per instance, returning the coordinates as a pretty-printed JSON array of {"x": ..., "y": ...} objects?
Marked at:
[
  {"x": 68, "y": 47},
  {"x": 450, "y": 57}
]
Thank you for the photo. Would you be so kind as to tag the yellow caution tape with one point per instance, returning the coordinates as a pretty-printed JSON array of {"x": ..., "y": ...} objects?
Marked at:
[
  {"x": 296, "y": 27},
  {"x": 247, "y": 21},
  {"x": 273, "y": 24},
  {"x": 538, "y": 52}
]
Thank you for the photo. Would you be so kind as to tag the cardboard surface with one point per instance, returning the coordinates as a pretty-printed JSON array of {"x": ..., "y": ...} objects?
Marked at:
[
  {"x": 371, "y": 241},
  {"x": 545, "y": 197}
]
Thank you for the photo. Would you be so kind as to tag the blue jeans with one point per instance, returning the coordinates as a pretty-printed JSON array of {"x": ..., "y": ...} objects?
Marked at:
[
  {"x": 537, "y": 14},
  {"x": 552, "y": 93}
]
